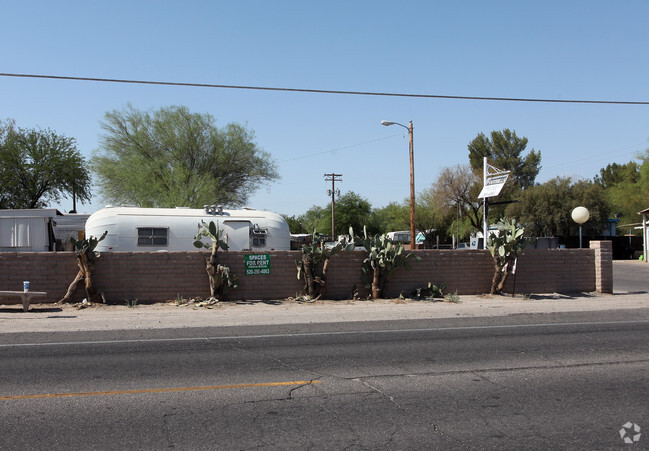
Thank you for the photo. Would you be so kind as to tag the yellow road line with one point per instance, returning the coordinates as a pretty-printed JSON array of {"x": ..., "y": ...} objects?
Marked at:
[{"x": 157, "y": 390}]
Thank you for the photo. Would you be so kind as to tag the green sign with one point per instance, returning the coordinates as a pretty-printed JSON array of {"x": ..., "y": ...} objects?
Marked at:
[{"x": 257, "y": 264}]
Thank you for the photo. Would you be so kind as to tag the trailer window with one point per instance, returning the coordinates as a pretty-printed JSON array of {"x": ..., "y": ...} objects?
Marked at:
[
  {"x": 258, "y": 236},
  {"x": 148, "y": 236}
]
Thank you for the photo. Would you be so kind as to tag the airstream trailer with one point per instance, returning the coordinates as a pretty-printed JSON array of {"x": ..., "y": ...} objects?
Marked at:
[{"x": 134, "y": 229}]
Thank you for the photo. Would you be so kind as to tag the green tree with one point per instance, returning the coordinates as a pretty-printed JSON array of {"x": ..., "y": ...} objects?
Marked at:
[
  {"x": 505, "y": 151},
  {"x": 40, "y": 167},
  {"x": 392, "y": 217},
  {"x": 316, "y": 219},
  {"x": 433, "y": 218},
  {"x": 295, "y": 224},
  {"x": 614, "y": 174},
  {"x": 457, "y": 185},
  {"x": 627, "y": 187},
  {"x": 352, "y": 210},
  {"x": 545, "y": 210},
  {"x": 172, "y": 157}
]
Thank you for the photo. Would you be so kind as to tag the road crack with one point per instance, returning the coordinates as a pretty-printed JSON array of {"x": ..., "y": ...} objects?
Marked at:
[
  {"x": 312, "y": 374},
  {"x": 379, "y": 391}
]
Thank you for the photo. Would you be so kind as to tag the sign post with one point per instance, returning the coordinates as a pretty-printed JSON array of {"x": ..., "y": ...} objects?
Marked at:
[{"x": 493, "y": 181}]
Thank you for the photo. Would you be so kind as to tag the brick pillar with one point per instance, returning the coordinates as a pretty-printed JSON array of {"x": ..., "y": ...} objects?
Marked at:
[{"x": 603, "y": 265}]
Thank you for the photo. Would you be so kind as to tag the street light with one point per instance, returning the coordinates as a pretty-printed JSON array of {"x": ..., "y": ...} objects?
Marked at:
[
  {"x": 412, "y": 179},
  {"x": 580, "y": 215}
]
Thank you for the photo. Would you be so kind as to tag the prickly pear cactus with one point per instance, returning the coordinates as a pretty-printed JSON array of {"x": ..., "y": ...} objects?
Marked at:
[
  {"x": 505, "y": 246},
  {"x": 384, "y": 256},
  {"x": 86, "y": 255},
  {"x": 312, "y": 267},
  {"x": 220, "y": 277}
]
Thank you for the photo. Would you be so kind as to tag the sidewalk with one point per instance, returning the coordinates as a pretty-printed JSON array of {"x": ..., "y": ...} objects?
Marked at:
[{"x": 99, "y": 317}]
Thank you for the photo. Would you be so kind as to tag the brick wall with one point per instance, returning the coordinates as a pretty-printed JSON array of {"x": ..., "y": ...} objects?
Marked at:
[{"x": 162, "y": 276}]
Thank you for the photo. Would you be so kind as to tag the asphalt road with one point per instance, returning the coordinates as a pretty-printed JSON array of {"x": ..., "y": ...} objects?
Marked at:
[
  {"x": 630, "y": 276},
  {"x": 515, "y": 382}
]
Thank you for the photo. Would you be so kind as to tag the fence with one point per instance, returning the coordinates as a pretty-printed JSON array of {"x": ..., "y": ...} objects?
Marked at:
[{"x": 162, "y": 276}]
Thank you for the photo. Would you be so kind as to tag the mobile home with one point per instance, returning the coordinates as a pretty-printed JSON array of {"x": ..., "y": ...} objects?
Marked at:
[
  {"x": 134, "y": 229},
  {"x": 38, "y": 230}
]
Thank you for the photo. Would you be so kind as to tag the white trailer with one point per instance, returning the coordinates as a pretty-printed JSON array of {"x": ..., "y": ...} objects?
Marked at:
[
  {"x": 38, "y": 230},
  {"x": 134, "y": 229},
  {"x": 29, "y": 230}
]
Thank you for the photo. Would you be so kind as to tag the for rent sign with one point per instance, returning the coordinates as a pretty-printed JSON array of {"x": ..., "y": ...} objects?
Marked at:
[
  {"x": 257, "y": 264},
  {"x": 494, "y": 185}
]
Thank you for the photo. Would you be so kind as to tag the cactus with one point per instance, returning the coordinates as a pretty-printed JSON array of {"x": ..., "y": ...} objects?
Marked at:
[
  {"x": 212, "y": 232},
  {"x": 384, "y": 256},
  {"x": 312, "y": 267},
  {"x": 88, "y": 246},
  {"x": 220, "y": 277},
  {"x": 505, "y": 246},
  {"x": 86, "y": 254}
]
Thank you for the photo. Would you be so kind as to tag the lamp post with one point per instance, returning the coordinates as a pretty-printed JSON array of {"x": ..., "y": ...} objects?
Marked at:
[
  {"x": 580, "y": 215},
  {"x": 412, "y": 179}
]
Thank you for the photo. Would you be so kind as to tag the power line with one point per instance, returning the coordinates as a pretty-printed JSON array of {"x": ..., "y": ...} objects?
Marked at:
[
  {"x": 340, "y": 148},
  {"x": 594, "y": 157},
  {"x": 324, "y": 91}
]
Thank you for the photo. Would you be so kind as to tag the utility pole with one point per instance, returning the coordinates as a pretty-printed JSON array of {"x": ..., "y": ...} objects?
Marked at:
[
  {"x": 413, "y": 232},
  {"x": 410, "y": 128},
  {"x": 333, "y": 178},
  {"x": 485, "y": 208}
]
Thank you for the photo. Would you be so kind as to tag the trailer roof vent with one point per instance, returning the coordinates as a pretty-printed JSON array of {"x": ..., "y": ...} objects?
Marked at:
[{"x": 213, "y": 209}]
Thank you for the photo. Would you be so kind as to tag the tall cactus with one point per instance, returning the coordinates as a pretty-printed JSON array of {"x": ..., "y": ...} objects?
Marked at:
[
  {"x": 505, "y": 246},
  {"x": 220, "y": 277},
  {"x": 86, "y": 254},
  {"x": 384, "y": 256},
  {"x": 312, "y": 267}
]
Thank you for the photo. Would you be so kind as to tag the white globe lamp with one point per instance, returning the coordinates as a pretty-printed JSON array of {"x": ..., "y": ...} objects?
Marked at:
[{"x": 580, "y": 215}]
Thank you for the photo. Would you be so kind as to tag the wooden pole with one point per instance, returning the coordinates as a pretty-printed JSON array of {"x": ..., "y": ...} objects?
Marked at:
[
  {"x": 333, "y": 178},
  {"x": 412, "y": 187}
]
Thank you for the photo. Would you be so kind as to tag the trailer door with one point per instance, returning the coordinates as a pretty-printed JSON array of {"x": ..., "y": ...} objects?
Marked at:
[{"x": 237, "y": 234}]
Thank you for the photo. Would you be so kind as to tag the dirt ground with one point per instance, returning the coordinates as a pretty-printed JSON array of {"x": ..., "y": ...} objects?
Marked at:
[{"x": 68, "y": 317}]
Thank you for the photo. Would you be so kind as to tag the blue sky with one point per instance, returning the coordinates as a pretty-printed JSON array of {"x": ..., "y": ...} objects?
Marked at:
[{"x": 586, "y": 50}]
